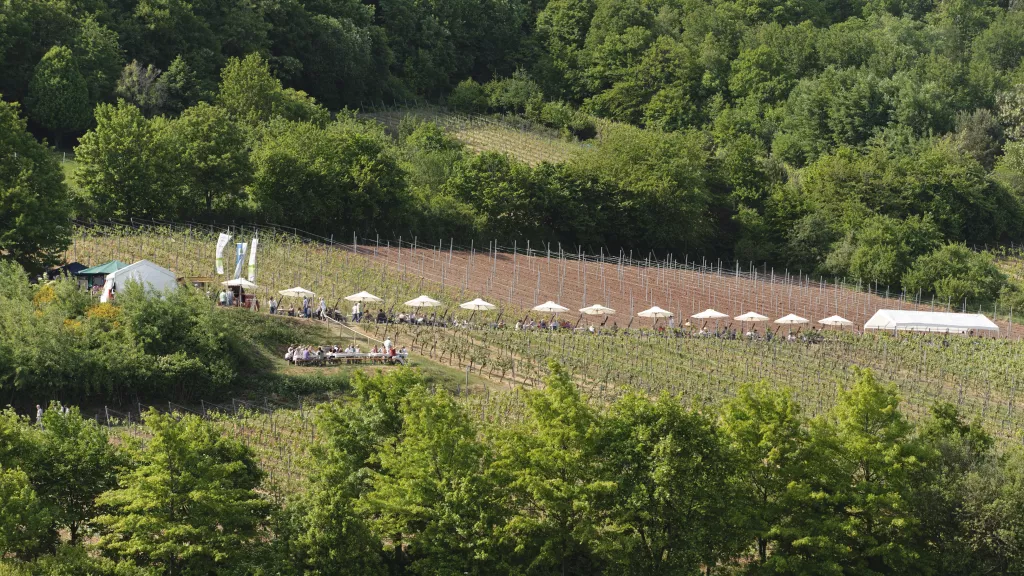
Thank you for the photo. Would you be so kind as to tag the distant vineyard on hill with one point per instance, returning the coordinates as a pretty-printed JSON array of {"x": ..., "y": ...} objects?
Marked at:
[{"x": 517, "y": 137}]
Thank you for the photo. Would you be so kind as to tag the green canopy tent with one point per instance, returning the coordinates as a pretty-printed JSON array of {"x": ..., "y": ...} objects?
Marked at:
[{"x": 97, "y": 275}]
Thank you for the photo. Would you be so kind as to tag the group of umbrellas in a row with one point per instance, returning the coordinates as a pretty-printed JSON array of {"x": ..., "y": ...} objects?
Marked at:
[{"x": 549, "y": 307}]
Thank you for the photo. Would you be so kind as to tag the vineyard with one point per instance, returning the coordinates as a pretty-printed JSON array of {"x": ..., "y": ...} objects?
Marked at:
[
  {"x": 514, "y": 136},
  {"x": 979, "y": 375},
  {"x": 279, "y": 435}
]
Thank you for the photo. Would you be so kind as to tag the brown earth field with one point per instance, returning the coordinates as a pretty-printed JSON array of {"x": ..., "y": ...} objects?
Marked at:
[{"x": 630, "y": 286}]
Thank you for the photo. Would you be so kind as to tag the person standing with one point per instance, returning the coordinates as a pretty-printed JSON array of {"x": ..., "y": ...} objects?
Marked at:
[
  {"x": 39, "y": 415},
  {"x": 323, "y": 309},
  {"x": 387, "y": 345},
  {"x": 273, "y": 306},
  {"x": 355, "y": 312}
]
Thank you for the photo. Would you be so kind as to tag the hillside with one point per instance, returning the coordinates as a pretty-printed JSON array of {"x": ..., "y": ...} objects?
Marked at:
[
  {"x": 977, "y": 374},
  {"x": 519, "y": 138}
]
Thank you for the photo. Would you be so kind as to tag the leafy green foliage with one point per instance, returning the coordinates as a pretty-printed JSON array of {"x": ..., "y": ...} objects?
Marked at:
[
  {"x": 190, "y": 505},
  {"x": 211, "y": 161},
  {"x": 120, "y": 165},
  {"x": 58, "y": 96},
  {"x": 24, "y": 517},
  {"x": 75, "y": 464},
  {"x": 954, "y": 273},
  {"x": 34, "y": 201},
  {"x": 342, "y": 176}
]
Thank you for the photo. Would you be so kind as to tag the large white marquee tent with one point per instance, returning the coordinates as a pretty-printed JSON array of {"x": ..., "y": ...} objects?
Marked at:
[
  {"x": 916, "y": 321},
  {"x": 154, "y": 278}
]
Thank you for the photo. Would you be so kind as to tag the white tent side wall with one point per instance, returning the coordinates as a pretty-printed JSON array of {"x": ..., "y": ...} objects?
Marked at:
[
  {"x": 943, "y": 322},
  {"x": 154, "y": 278}
]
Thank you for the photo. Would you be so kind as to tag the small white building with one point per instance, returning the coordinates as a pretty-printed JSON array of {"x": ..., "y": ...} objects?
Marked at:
[
  {"x": 154, "y": 278},
  {"x": 918, "y": 321}
]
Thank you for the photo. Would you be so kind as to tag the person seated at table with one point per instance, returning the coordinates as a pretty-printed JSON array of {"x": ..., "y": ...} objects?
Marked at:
[
  {"x": 382, "y": 318},
  {"x": 403, "y": 352},
  {"x": 288, "y": 355},
  {"x": 291, "y": 310}
]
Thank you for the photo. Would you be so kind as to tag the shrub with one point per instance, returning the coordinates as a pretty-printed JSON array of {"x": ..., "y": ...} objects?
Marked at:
[
  {"x": 955, "y": 272},
  {"x": 469, "y": 96},
  {"x": 518, "y": 94}
]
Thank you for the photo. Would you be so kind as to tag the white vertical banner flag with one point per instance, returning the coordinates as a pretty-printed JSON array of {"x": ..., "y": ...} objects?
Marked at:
[
  {"x": 221, "y": 243},
  {"x": 239, "y": 258},
  {"x": 252, "y": 259}
]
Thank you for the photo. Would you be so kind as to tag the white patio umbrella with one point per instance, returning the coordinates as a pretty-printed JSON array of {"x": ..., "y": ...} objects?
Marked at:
[
  {"x": 550, "y": 307},
  {"x": 597, "y": 310},
  {"x": 750, "y": 317},
  {"x": 790, "y": 320},
  {"x": 656, "y": 313},
  {"x": 835, "y": 321},
  {"x": 709, "y": 314},
  {"x": 240, "y": 283},
  {"x": 297, "y": 292},
  {"x": 476, "y": 305},
  {"x": 363, "y": 297},
  {"x": 423, "y": 301}
]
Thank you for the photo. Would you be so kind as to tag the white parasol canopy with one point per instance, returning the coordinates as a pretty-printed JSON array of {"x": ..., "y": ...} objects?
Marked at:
[
  {"x": 751, "y": 317},
  {"x": 423, "y": 301},
  {"x": 709, "y": 314},
  {"x": 477, "y": 304},
  {"x": 551, "y": 307},
  {"x": 240, "y": 283},
  {"x": 363, "y": 297},
  {"x": 655, "y": 312},
  {"x": 791, "y": 319},
  {"x": 297, "y": 292},
  {"x": 835, "y": 321},
  {"x": 597, "y": 310}
]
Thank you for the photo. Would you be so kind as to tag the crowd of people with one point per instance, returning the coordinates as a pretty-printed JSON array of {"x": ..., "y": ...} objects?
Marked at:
[{"x": 386, "y": 353}]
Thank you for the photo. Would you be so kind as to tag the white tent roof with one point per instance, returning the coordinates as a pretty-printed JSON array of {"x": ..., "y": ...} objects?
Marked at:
[
  {"x": 154, "y": 278},
  {"x": 917, "y": 321},
  {"x": 751, "y": 317}
]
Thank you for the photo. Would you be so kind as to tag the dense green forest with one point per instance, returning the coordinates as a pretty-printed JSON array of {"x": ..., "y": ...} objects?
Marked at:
[
  {"x": 844, "y": 139},
  {"x": 406, "y": 481}
]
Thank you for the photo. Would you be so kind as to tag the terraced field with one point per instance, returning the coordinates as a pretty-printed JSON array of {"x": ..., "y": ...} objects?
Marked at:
[{"x": 981, "y": 375}]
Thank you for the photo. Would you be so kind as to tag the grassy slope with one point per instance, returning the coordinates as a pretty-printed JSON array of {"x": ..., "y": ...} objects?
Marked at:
[
  {"x": 977, "y": 374},
  {"x": 527, "y": 142}
]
